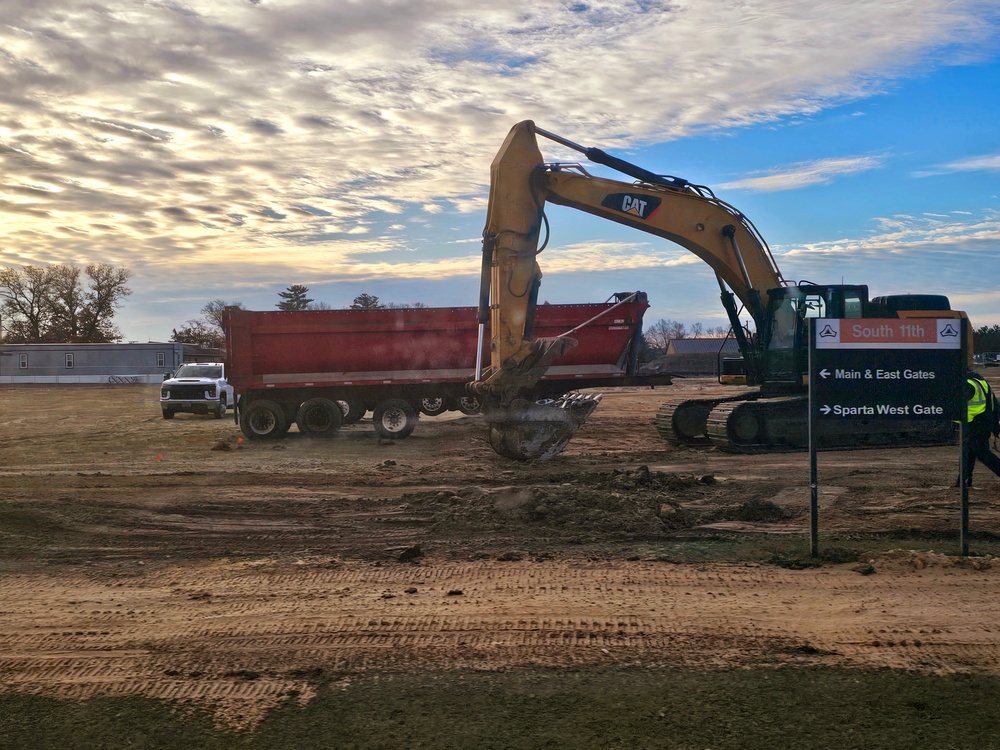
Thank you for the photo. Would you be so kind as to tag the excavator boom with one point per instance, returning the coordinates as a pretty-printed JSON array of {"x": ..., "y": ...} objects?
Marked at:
[{"x": 520, "y": 185}]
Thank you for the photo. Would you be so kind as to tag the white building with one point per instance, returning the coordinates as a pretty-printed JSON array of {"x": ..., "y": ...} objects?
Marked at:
[{"x": 92, "y": 363}]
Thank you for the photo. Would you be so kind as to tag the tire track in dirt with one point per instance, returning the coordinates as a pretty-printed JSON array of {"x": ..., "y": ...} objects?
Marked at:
[{"x": 242, "y": 638}]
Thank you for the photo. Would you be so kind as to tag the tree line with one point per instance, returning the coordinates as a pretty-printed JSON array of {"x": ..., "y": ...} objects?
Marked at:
[
  {"x": 296, "y": 297},
  {"x": 207, "y": 332},
  {"x": 63, "y": 303},
  {"x": 659, "y": 335},
  {"x": 986, "y": 338}
]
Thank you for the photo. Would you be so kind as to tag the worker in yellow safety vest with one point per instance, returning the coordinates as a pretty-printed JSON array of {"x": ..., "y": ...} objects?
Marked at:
[{"x": 982, "y": 418}]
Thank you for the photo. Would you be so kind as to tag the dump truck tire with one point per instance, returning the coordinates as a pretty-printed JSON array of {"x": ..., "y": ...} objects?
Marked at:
[
  {"x": 263, "y": 420},
  {"x": 468, "y": 404},
  {"x": 352, "y": 409},
  {"x": 394, "y": 418},
  {"x": 433, "y": 406},
  {"x": 319, "y": 417}
]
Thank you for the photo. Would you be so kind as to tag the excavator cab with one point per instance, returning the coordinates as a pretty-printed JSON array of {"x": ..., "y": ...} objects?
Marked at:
[{"x": 787, "y": 341}]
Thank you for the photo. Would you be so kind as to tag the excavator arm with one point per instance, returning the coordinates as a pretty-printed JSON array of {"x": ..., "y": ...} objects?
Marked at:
[{"x": 521, "y": 183}]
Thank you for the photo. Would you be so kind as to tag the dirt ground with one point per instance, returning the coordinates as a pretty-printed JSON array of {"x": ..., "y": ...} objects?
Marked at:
[{"x": 171, "y": 560}]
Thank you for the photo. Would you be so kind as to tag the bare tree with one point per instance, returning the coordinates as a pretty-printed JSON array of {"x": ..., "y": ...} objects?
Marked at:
[
  {"x": 200, "y": 333},
  {"x": 86, "y": 315},
  {"x": 102, "y": 299},
  {"x": 67, "y": 303},
  {"x": 50, "y": 304},
  {"x": 26, "y": 303},
  {"x": 662, "y": 331},
  {"x": 212, "y": 311},
  {"x": 206, "y": 331}
]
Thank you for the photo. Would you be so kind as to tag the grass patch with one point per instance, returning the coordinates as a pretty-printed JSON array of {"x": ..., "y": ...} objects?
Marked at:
[{"x": 680, "y": 709}]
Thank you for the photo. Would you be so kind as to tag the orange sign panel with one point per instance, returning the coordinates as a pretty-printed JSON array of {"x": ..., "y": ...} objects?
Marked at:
[{"x": 889, "y": 333}]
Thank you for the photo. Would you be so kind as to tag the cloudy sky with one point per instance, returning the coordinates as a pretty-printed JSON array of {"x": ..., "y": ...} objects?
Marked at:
[{"x": 226, "y": 149}]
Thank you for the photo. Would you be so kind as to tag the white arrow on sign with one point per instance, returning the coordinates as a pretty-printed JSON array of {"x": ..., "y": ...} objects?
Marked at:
[
  {"x": 825, "y": 409},
  {"x": 824, "y": 373}
]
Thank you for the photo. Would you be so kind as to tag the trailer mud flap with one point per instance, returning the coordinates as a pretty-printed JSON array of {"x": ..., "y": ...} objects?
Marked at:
[{"x": 527, "y": 430}]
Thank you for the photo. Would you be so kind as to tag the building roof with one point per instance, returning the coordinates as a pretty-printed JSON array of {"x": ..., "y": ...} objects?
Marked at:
[
  {"x": 112, "y": 345},
  {"x": 702, "y": 346}
]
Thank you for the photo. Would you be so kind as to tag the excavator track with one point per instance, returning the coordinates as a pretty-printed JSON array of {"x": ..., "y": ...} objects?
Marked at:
[
  {"x": 761, "y": 425},
  {"x": 751, "y": 423},
  {"x": 684, "y": 421}
]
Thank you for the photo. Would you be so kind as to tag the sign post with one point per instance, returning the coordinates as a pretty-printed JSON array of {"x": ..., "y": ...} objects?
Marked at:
[{"x": 863, "y": 372}]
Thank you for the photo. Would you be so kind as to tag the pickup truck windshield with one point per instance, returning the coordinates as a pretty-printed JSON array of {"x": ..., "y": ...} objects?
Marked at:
[{"x": 199, "y": 371}]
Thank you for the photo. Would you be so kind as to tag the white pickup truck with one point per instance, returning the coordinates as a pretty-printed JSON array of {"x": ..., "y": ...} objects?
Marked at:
[{"x": 198, "y": 388}]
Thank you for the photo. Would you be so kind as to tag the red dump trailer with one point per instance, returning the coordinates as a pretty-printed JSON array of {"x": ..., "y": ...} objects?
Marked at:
[{"x": 319, "y": 369}]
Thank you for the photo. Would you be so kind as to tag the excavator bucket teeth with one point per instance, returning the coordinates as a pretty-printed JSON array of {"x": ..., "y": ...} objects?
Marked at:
[{"x": 531, "y": 430}]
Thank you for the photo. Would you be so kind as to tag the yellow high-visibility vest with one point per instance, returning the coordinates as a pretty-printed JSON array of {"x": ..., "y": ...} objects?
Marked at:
[{"x": 980, "y": 392}]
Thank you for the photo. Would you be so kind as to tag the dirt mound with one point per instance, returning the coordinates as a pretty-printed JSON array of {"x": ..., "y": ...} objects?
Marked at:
[
  {"x": 753, "y": 510},
  {"x": 906, "y": 560},
  {"x": 618, "y": 502}
]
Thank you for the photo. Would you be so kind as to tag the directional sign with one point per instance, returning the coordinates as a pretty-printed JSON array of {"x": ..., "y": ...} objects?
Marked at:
[
  {"x": 863, "y": 372},
  {"x": 873, "y": 369}
]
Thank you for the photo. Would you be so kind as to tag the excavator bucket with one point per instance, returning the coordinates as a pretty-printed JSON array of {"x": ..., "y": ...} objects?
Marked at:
[
  {"x": 537, "y": 430},
  {"x": 526, "y": 430}
]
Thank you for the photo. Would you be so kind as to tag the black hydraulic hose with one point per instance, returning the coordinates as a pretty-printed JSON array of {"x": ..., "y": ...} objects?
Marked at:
[
  {"x": 545, "y": 221},
  {"x": 601, "y": 157},
  {"x": 754, "y": 303},
  {"x": 598, "y": 156},
  {"x": 484, "y": 279},
  {"x": 529, "y": 318}
]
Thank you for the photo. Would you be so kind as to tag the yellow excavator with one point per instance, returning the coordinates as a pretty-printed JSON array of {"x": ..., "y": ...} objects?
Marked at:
[{"x": 772, "y": 416}]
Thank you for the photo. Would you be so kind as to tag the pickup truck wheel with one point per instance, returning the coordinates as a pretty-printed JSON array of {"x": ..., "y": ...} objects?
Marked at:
[
  {"x": 352, "y": 409},
  {"x": 433, "y": 406},
  {"x": 262, "y": 420},
  {"x": 319, "y": 417},
  {"x": 394, "y": 418},
  {"x": 468, "y": 404},
  {"x": 168, "y": 413},
  {"x": 221, "y": 411}
]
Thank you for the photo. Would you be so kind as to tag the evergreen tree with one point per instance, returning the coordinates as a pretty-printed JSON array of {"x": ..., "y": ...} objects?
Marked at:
[
  {"x": 986, "y": 338},
  {"x": 366, "y": 302},
  {"x": 294, "y": 298}
]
